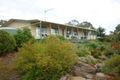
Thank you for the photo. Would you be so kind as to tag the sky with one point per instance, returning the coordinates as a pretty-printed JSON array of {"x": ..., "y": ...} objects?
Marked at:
[{"x": 104, "y": 13}]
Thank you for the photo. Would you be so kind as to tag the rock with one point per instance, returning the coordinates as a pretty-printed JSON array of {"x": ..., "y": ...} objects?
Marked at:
[
  {"x": 86, "y": 67},
  {"x": 98, "y": 67},
  {"x": 83, "y": 70},
  {"x": 77, "y": 78},
  {"x": 64, "y": 77},
  {"x": 89, "y": 76},
  {"x": 100, "y": 76}
]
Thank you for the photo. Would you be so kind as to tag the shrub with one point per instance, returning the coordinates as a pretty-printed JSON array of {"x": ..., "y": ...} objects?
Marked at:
[
  {"x": 88, "y": 59},
  {"x": 22, "y": 36},
  {"x": 83, "y": 51},
  {"x": 61, "y": 38},
  {"x": 112, "y": 66},
  {"x": 46, "y": 60},
  {"x": 7, "y": 42}
]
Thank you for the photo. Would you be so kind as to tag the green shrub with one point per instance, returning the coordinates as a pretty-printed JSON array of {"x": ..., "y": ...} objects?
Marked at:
[
  {"x": 62, "y": 38},
  {"x": 22, "y": 36},
  {"x": 46, "y": 60},
  {"x": 7, "y": 42},
  {"x": 88, "y": 59},
  {"x": 83, "y": 51},
  {"x": 112, "y": 66}
]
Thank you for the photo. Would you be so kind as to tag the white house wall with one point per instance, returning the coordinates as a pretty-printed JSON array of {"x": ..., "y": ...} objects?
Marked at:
[{"x": 62, "y": 29}]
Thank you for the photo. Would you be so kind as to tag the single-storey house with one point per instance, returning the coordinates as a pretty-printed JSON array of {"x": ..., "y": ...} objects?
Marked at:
[{"x": 40, "y": 29}]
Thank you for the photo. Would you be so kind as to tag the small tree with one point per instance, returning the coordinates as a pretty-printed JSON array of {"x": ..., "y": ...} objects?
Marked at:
[{"x": 22, "y": 36}]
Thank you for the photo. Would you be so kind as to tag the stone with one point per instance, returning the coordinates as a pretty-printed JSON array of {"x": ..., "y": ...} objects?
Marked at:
[
  {"x": 77, "y": 78},
  {"x": 89, "y": 76},
  {"x": 100, "y": 76},
  {"x": 98, "y": 67},
  {"x": 83, "y": 70},
  {"x": 64, "y": 77},
  {"x": 86, "y": 67}
]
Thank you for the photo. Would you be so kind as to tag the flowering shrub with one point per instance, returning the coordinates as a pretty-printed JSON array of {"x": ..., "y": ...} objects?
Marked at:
[{"x": 46, "y": 60}]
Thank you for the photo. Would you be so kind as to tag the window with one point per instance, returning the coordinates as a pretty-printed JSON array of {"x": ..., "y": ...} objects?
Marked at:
[
  {"x": 54, "y": 31},
  {"x": 41, "y": 32}
]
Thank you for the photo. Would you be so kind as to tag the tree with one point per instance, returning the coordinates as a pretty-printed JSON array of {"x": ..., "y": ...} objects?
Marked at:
[
  {"x": 117, "y": 33},
  {"x": 100, "y": 32},
  {"x": 86, "y": 24},
  {"x": 73, "y": 22},
  {"x": 2, "y": 22},
  {"x": 117, "y": 29}
]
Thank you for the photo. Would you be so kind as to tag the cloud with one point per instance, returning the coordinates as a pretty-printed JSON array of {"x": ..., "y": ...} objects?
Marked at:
[{"x": 99, "y": 12}]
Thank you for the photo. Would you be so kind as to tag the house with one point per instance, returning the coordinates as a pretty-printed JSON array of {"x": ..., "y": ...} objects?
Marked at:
[{"x": 40, "y": 29}]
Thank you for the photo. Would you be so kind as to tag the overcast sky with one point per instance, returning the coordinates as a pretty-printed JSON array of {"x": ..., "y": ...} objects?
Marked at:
[{"x": 104, "y": 13}]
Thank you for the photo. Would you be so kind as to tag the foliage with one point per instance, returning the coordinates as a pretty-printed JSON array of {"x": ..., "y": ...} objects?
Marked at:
[
  {"x": 112, "y": 66},
  {"x": 22, "y": 36},
  {"x": 7, "y": 42},
  {"x": 2, "y": 22},
  {"x": 73, "y": 22},
  {"x": 88, "y": 59},
  {"x": 117, "y": 29},
  {"x": 116, "y": 47},
  {"x": 83, "y": 51},
  {"x": 46, "y": 60},
  {"x": 86, "y": 24},
  {"x": 100, "y": 32},
  {"x": 94, "y": 48},
  {"x": 62, "y": 38}
]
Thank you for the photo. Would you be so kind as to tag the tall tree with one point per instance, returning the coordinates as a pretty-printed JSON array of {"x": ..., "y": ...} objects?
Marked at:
[
  {"x": 86, "y": 24},
  {"x": 100, "y": 32},
  {"x": 2, "y": 22},
  {"x": 117, "y": 33},
  {"x": 117, "y": 29},
  {"x": 73, "y": 22}
]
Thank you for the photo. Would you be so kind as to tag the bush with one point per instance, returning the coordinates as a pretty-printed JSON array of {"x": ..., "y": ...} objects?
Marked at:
[
  {"x": 7, "y": 42},
  {"x": 62, "y": 38},
  {"x": 46, "y": 60},
  {"x": 112, "y": 66},
  {"x": 83, "y": 51},
  {"x": 88, "y": 59},
  {"x": 22, "y": 36}
]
